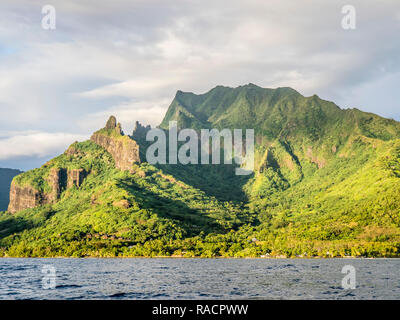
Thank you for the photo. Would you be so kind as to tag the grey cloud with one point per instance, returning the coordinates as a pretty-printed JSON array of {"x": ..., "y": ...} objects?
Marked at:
[{"x": 120, "y": 56}]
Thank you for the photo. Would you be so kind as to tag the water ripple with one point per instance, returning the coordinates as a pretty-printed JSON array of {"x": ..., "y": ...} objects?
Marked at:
[{"x": 199, "y": 279}]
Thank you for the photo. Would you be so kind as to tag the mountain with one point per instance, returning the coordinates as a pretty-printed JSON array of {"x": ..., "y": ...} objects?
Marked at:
[
  {"x": 275, "y": 113},
  {"x": 326, "y": 183},
  {"x": 6, "y": 176}
]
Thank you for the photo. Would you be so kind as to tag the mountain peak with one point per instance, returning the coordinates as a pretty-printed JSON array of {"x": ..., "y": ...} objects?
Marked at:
[
  {"x": 232, "y": 107},
  {"x": 251, "y": 85},
  {"x": 111, "y": 123}
]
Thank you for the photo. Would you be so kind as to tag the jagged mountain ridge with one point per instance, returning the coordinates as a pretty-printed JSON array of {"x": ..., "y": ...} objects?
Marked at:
[
  {"x": 275, "y": 113},
  {"x": 326, "y": 180},
  {"x": 295, "y": 135}
]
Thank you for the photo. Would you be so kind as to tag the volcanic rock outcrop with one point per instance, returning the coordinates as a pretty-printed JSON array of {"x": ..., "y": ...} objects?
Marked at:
[
  {"x": 25, "y": 196},
  {"x": 123, "y": 149},
  {"x": 140, "y": 131},
  {"x": 75, "y": 177}
]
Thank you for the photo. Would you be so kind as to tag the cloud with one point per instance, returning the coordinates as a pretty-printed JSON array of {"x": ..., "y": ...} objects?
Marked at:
[
  {"x": 36, "y": 144},
  {"x": 149, "y": 112},
  {"x": 131, "y": 89},
  {"x": 128, "y": 58}
]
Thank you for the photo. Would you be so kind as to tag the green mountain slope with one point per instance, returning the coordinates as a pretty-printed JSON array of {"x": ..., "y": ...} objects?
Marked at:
[{"x": 326, "y": 183}]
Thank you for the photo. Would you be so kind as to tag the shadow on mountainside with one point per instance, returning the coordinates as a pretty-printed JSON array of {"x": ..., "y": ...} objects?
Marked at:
[
  {"x": 217, "y": 181},
  {"x": 12, "y": 225},
  {"x": 193, "y": 220}
]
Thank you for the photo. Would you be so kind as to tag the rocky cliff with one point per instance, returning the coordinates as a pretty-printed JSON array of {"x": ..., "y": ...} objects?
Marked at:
[
  {"x": 123, "y": 149},
  {"x": 25, "y": 196},
  {"x": 75, "y": 177},
  {"x": 139, "y": 132}
]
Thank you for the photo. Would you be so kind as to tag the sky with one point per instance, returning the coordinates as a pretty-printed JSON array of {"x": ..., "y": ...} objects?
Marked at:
[{"x": 128, "y": 58}]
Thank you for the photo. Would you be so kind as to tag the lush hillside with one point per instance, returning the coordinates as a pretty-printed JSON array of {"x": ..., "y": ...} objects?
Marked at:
[
  {"x": 326, "y": 183},
  {"x": 112, "y": 212},
  {"x": 6, "y": 176}
]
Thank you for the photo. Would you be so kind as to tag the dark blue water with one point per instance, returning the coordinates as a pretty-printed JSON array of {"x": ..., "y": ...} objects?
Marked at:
[{"x": 197, "y": 279}]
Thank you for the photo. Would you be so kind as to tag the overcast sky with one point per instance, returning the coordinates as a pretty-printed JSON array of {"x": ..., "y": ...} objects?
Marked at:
[{"x": 128, "y": 58}]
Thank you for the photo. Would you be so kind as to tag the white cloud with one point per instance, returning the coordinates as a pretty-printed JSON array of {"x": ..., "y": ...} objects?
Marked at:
[
  {"x": 131, "y": 89},
  {"x": 36, "y": 144},
  {"x": 129, "y": 58},
  {"x": 149, "y": 112}
]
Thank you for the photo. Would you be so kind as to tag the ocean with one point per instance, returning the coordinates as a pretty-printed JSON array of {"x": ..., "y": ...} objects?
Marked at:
[{"x": 168, "y": 278}]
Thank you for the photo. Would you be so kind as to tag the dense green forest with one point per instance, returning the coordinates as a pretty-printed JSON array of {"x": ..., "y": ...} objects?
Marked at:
[{"x": 326, "y": 184}]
